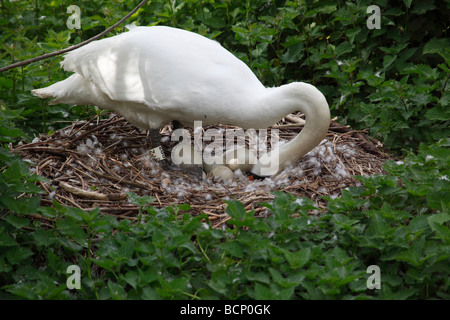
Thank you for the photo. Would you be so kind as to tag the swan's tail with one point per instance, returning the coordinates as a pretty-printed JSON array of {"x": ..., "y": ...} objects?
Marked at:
[
  {"x": 44, "y": 93},
  {"x": 73, "y": 90}
]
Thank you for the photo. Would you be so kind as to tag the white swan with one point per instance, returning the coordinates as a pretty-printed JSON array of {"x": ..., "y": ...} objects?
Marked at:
[{"x": 153, "y": 75}]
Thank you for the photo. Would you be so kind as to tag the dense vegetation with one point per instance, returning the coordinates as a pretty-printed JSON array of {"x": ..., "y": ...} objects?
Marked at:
[{"x": 392, "y": 80}]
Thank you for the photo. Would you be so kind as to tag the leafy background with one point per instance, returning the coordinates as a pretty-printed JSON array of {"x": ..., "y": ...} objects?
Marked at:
[{"x": 392, "y": 80}]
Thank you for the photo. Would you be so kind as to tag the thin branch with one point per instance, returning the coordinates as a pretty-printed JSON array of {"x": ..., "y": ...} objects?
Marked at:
[{"x": 51, "y": 54}]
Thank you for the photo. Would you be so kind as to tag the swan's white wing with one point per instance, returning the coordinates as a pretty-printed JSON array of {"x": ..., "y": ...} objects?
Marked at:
[{"x": 165, "y": 68}]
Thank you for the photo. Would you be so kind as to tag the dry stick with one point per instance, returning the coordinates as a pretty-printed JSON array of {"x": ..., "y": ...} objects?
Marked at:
[
  {"x": 91, "y": 194},
  {"x": 51, "y": 54},
  {"x": 61, "y": 153},
  {"x": 86, "y": 133},
  {"x": 120, "y": 180},
  {"x": 212, "y": 208},
  {"x": 69, "y": 159}
]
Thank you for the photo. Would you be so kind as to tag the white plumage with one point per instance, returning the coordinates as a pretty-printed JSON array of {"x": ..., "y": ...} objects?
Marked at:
[{"x": 153, "y": 75}]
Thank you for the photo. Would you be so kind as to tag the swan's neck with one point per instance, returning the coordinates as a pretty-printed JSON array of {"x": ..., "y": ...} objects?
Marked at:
[{"x": 310, "y": 101}]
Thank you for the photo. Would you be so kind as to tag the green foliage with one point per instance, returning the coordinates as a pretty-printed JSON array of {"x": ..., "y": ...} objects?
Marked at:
[
  {"x": 15, "y": 176},
  {"x": 399, "y": 222},
  {"x": 392, "y": 80}
]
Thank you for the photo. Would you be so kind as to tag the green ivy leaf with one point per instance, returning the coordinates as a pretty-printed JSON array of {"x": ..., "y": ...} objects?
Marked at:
[
  {"x": 234, "y": 248},
  {"x": 438, "y": 113},
  {"x": 297, "y": 259},
  {"x": 438, "y": 219},
  {"x": 22, "y": 205},
  {"x": 407, "y": 3},
  {"x": 17, "y": 254},
  {"x": 17, "y": 222},
  {"x": 262, "y": 292},
  {"x": 293, "y": 54},
  {"x": 17, "y": 170},
  {"x": 43, "y": 238},
  {"x": 116, "y": 290},
  {"x": 388, "y": 60},
  {"x": 5, "y": 239},
  {"x": 436, "y": 46}
]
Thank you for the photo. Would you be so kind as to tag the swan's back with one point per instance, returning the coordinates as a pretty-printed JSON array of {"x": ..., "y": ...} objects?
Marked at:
[{"x": 157, "y": 74}]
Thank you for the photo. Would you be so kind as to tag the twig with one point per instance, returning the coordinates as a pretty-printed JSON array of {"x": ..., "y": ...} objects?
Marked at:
[
  {"x": 86, "y": 133},
  {"x": 109, "y": 173},
  {"x": 92, "y": 194},
  {"x": 51, "y": 54}
]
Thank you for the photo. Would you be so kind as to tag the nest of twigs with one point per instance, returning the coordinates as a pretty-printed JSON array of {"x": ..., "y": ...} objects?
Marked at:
[{"x": 95, "y": 163}]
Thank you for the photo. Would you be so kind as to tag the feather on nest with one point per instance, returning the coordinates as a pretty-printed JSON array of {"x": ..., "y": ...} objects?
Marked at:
[{"x": 95, "y": 163}]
